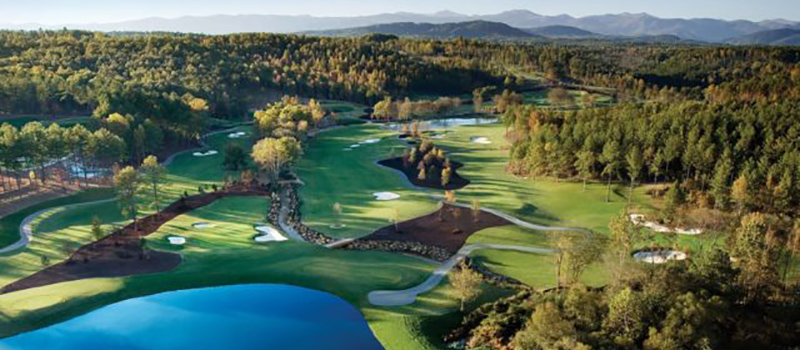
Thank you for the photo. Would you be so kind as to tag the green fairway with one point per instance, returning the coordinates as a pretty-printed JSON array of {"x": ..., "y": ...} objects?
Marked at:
[
  {"x": 350, "y": 178},
  {"x": 9, "y": 224},
  {"x": 19, "y": 122},
  {"x": 232, "y": 218},
  {"x": 534, "y": 269},
  {"x": 545, "y": 202},
  {"x": 57, "y": 234}
]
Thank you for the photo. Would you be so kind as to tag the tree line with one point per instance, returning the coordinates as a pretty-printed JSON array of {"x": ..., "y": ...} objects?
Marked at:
[{"x": 726, "y": 156}]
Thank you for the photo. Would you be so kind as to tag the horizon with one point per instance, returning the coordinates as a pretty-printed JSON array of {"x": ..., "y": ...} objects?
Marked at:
[{"x": 102, "y": 13}]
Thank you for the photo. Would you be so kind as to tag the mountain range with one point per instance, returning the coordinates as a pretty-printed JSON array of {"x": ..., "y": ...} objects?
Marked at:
[{"x": 624, "y": 24}]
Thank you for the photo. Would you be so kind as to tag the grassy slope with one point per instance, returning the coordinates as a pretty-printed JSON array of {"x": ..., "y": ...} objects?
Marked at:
[
  {"x": 333, "y": 175},
  {"x": 537, "y": 270},
  {"x": 9, "y": 224}
]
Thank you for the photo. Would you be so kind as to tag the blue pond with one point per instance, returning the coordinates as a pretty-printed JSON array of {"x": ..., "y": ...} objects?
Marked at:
[{"x": 244, "y": 317}]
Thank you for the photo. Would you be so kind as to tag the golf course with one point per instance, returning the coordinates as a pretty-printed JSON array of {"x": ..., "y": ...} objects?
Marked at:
[{"x": 339, "y": 168}]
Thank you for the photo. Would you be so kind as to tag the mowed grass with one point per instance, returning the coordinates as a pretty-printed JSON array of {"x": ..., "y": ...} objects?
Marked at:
[
  {"x": 537, "y": 270},
  {"x": 233, "y": 220},
  {"x": 333, "y": 175},
  {"x": 59, "y": 233},
  {"x": 9, "y": 224},
  {"x": 541, "y": 201},
  {"x": 20, "y": 121}
]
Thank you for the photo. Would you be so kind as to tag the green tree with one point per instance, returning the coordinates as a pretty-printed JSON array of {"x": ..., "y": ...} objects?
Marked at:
[
  {"x": 610, "y": 157},
  {"x": 585, "y": 164},
  {"x": 626, "y": 319},
  {"x": 154, "y": 174},
  {"x": 466, "y": 283},
  {"x": 547, "y": 329},
  {"x": 128, "y": 183},
  {"x": 720, "y": 183},
  {"x": 740, "y": 192},
  {"x": 690, "y": 324},
  {"x": 675, "y": 198},
  {"x": 272, "y": 155},
  {"x": 97, "y": 228},
  {"x": 235, "y": 157},
  {"x": 755, "y": 256},
  {"x": 635, "y": 162}
]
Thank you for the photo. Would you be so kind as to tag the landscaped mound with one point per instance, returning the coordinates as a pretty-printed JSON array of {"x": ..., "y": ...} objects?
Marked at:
[
  {"x": 448, "y": 228},
  {"x": 427, "y": 166}
]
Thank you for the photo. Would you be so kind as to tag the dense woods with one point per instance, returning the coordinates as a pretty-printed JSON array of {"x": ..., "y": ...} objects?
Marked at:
[{"x": 70, "y": 71}]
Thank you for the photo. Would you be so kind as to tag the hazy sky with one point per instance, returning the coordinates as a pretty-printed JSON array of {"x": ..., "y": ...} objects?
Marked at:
[{"x": 85, "y": 11}]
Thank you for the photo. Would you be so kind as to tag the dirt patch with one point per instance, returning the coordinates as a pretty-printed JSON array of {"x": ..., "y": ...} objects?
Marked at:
[
  {"x": 435, "y": 182},
  {"x": 442, "y": 228},
  {"x": 120, "y": 253}
]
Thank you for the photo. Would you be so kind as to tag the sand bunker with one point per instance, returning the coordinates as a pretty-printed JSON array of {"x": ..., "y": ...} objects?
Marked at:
[
  {"x": 369, "y": 141},
  {"x": 236, "y": 135},
  {"x": 355, "y": 146},
  {"x": 205, "y": 154},
  {"x": 480, "y": 139},
  {"x": 203, "y": 225},
  {"x": 640, "y": 220},
  {"x": 268, "y": 234},
  {"x": 176, "y": 240},
  {"x": 386, "y": 196},
  {"x": 659, "y": 256}
]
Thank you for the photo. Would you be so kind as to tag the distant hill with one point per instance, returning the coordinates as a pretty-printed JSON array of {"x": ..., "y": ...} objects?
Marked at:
[
  {"x": 623, "y": 24},
  {"x": 787, "y": 36},
  {"x": 473, "y": 29},
  {"x": 563, "y": 32}
]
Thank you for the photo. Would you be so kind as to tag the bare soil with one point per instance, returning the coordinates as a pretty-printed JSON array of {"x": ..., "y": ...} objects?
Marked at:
[
  {"x": 456, "y": 181},
  {"x": 442, "y": 228}
]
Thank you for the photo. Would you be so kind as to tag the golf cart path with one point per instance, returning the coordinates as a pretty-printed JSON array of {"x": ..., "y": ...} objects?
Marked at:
[
  {"x": 26, "y": 226},
  {"x": 408, "y": 296}
]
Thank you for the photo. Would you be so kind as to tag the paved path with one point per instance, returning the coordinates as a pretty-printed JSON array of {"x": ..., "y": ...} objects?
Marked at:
[
  {"x": 408, "y": 296},
  {"x": 282, "y": 215},
  {"x": 26, "y": 226}
]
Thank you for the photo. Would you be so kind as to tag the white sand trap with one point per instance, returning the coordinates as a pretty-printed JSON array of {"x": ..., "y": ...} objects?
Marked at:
[
  {"x": 268, "y": 234},
  {"x": 347, "y": 149},
  {"x": 386, "y": 196},
  {"x": 659, "y": 256},
  {"x": 440, "y": 136},
  {"x": 205, "y": 154},
  {"x": 639, "y": 220},
  {"x": 355, "y": 146},
  {"x": 236, "y": 135},
  {"x": 480, "y": 139},
  {"x": 203, "y": 225},
  {"x": 369, "y": 141},
  {"x": 177, "y": 240}
]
